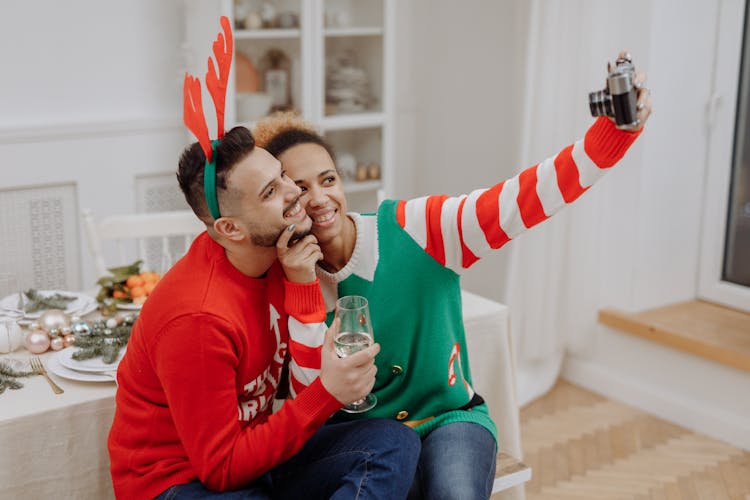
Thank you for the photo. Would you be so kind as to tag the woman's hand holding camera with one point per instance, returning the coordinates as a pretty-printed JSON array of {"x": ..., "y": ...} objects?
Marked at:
[
  {"x": 643, "y": 101},
  {"x": 625, "y": 99}
]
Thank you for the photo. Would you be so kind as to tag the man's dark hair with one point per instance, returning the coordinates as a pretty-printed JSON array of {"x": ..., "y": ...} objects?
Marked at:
[
  {"x": 292, "y": 137},
  {"x": 233, "y": 148}
]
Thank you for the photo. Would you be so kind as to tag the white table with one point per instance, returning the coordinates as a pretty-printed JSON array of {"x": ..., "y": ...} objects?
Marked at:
[
  {"x": 493, "y": 372},
  {"x": 55, "y": 446}
]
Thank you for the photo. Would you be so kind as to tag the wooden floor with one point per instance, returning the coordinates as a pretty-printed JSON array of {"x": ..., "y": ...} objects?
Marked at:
[{"x": 583, "y": 446}]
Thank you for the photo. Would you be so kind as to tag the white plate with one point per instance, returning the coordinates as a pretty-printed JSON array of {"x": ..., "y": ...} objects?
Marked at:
[
  {"x": 130, "y": 307},
  {"x": 92, "y": 365},
  {"x": 54, "y": 366},
  {"x": 81, "y": 305}
]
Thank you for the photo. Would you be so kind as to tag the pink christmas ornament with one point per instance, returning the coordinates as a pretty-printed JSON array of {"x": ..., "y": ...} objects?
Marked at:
[{"x": 37, "y": 341}]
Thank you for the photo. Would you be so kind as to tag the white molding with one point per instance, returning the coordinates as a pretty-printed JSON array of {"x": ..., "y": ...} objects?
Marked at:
[
  {"x": 368, "y": 119},
  {"x": 267, "y": 34},
  {"x": 359, "y": 31},
  {"x": 361, "y": 186},
  {"x": 660, "y": 401},
  {"x": 85, "y": 130}
]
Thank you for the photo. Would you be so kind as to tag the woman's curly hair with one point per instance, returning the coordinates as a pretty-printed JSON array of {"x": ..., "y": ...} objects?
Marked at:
[{"x": 282, "y": 130}]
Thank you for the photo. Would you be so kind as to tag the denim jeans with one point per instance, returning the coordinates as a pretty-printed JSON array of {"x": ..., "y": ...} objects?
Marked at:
[
  {"x": 260, "y": 489},
  {"x": 457, "y": 462},
  {"x": 366, "y": 459}
]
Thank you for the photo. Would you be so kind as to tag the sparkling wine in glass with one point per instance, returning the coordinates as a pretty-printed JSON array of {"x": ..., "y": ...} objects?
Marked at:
[{"x": 355, "y": 334}]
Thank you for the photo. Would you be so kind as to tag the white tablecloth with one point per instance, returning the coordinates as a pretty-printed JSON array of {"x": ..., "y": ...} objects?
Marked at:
[
  {"x": 492, "y": 366},
  {"x": 54, "y": 446}
]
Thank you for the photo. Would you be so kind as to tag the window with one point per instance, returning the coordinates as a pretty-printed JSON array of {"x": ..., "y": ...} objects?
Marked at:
[
  {"x": 736, "y": 268},
  {"x": 725, "y": 256}
]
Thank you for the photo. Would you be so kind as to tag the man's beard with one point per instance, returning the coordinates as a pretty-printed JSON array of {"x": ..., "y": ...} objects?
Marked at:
[
  {"x": 263, "y": 237},
  {"x": 269, "y": 239}
]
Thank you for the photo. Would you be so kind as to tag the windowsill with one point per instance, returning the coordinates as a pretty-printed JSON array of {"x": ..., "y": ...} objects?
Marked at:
[{"x": 701, "y": 328}]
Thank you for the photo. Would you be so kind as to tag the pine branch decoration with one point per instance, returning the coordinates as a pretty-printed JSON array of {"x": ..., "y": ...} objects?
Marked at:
[
  {"x": 10, "y": 372},
  {"x": 38, "y": 302},
  {"x": 104, "y": 341}
]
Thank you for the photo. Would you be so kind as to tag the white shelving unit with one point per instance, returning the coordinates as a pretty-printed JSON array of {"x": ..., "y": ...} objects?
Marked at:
[{"x": 357, "y": 32}]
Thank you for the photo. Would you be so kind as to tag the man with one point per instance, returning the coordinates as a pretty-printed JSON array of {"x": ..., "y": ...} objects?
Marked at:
[{"x": 196, "y": 386}]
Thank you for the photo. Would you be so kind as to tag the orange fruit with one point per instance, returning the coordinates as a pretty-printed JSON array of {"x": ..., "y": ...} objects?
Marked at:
[
  {"x": 150, "y": 277},
  {"x": 119, "y": 294},
  {"x": 149, "y": 287},
  {"x": 134, "y": 281},
  {"x": 137, "y": 291}
]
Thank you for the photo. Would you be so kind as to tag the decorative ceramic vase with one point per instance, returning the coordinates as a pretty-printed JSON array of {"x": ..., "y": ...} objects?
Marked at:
[{"x": 11, "y": 336}]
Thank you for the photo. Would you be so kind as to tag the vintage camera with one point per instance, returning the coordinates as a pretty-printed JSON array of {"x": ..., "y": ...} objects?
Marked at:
[{"x": 618, "y": 99}]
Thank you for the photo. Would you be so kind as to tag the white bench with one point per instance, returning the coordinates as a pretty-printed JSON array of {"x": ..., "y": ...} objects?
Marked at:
[{"x": 493, "y": 373}]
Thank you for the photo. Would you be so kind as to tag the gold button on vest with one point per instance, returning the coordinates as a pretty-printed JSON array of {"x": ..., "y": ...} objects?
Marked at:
[
  {"x": 402, "y": 415},
  {"x": 396, "y": 370}
]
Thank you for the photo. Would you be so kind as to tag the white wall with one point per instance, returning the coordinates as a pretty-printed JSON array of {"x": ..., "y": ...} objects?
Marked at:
[
  {"x": 100, "y": 81},
  {"x": 653, "y": 239},
  {"x": 87, "y": 60},
  {"x": 90, "y": 94},
  {"x": 466, "y": 92},
  {"x": 633, "y": 242}
]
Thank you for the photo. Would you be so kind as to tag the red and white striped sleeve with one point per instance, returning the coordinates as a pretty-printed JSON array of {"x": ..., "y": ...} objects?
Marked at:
[
  {"x": 457, "y": 231},
  {"x": 306, "y": 323},
  {"x": 305, "y": 344}
]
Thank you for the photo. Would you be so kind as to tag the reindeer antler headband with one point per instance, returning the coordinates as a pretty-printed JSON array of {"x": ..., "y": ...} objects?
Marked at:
[{"x": 193, "y": 109}]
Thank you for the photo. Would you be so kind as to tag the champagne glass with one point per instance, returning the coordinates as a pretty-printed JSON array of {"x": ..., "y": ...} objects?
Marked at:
[{"x": 355, "y": 334}]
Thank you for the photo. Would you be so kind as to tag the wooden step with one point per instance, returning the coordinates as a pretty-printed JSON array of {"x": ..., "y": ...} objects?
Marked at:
[
  {"x": 509, "y": 472},
  {"x": 707, "y": 330}
]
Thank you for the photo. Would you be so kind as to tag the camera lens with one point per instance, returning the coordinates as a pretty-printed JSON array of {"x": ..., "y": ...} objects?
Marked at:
[{"x": 600, "y": 103}]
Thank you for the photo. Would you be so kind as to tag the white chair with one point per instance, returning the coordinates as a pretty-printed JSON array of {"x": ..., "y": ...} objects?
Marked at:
[{"x": 157, "y": 238}]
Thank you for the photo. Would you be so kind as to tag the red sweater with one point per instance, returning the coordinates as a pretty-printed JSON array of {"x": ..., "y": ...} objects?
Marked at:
[{"x": 196, "y": 385}]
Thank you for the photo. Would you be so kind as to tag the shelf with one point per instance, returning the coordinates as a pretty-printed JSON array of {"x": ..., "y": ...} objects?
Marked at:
[
  {"x": 363, "y": 31},
  {"x": 267, "y": 34},
  {"x": 356, "y": 33},
  {"x": 352, "y": 121},
  {"x": 361, "y": 187},
  {"x": 707, "y": 330}
]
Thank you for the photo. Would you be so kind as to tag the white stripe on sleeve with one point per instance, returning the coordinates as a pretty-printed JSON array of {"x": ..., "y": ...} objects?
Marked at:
[
  {"x": 474, "y": 237},
  {"x": 449, "y": 229},
  {"x": 547, "y": 188},
  {"x": 588, "y": 171},
  {"x": 510, "y": 214},
  {"x": 304, "y": 375},
  {"x": 309, "y": 334},
  {"x": 415, "y": 224}
]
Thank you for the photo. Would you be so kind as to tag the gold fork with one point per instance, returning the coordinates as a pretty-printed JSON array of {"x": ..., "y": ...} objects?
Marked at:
[{"x": 38, "y": 367}]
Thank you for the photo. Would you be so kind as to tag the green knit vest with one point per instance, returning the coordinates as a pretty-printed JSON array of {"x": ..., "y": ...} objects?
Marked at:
[{"x": 415, "y": 304}]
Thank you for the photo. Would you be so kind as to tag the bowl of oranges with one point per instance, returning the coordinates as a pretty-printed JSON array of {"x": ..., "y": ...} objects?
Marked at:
[{"x": 128, "y": 287}]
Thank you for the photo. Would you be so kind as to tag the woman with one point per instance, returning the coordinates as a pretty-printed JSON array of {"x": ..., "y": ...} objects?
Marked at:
[{"x": 407, "y": 260}]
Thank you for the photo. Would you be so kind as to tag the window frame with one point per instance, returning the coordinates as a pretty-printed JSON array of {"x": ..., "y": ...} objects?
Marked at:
[{"x": 722, "y": 121}]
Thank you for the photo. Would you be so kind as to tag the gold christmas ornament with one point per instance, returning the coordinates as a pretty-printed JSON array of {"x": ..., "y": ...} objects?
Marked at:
[
  {"x": 56, "y": 343},
  {"x": 54, "y": 319}
]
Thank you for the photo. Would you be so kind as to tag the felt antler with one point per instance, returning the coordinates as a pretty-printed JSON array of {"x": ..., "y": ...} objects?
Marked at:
[
  {"x": 192, "y": 113},
  {"x": 217, "y": 84}
]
